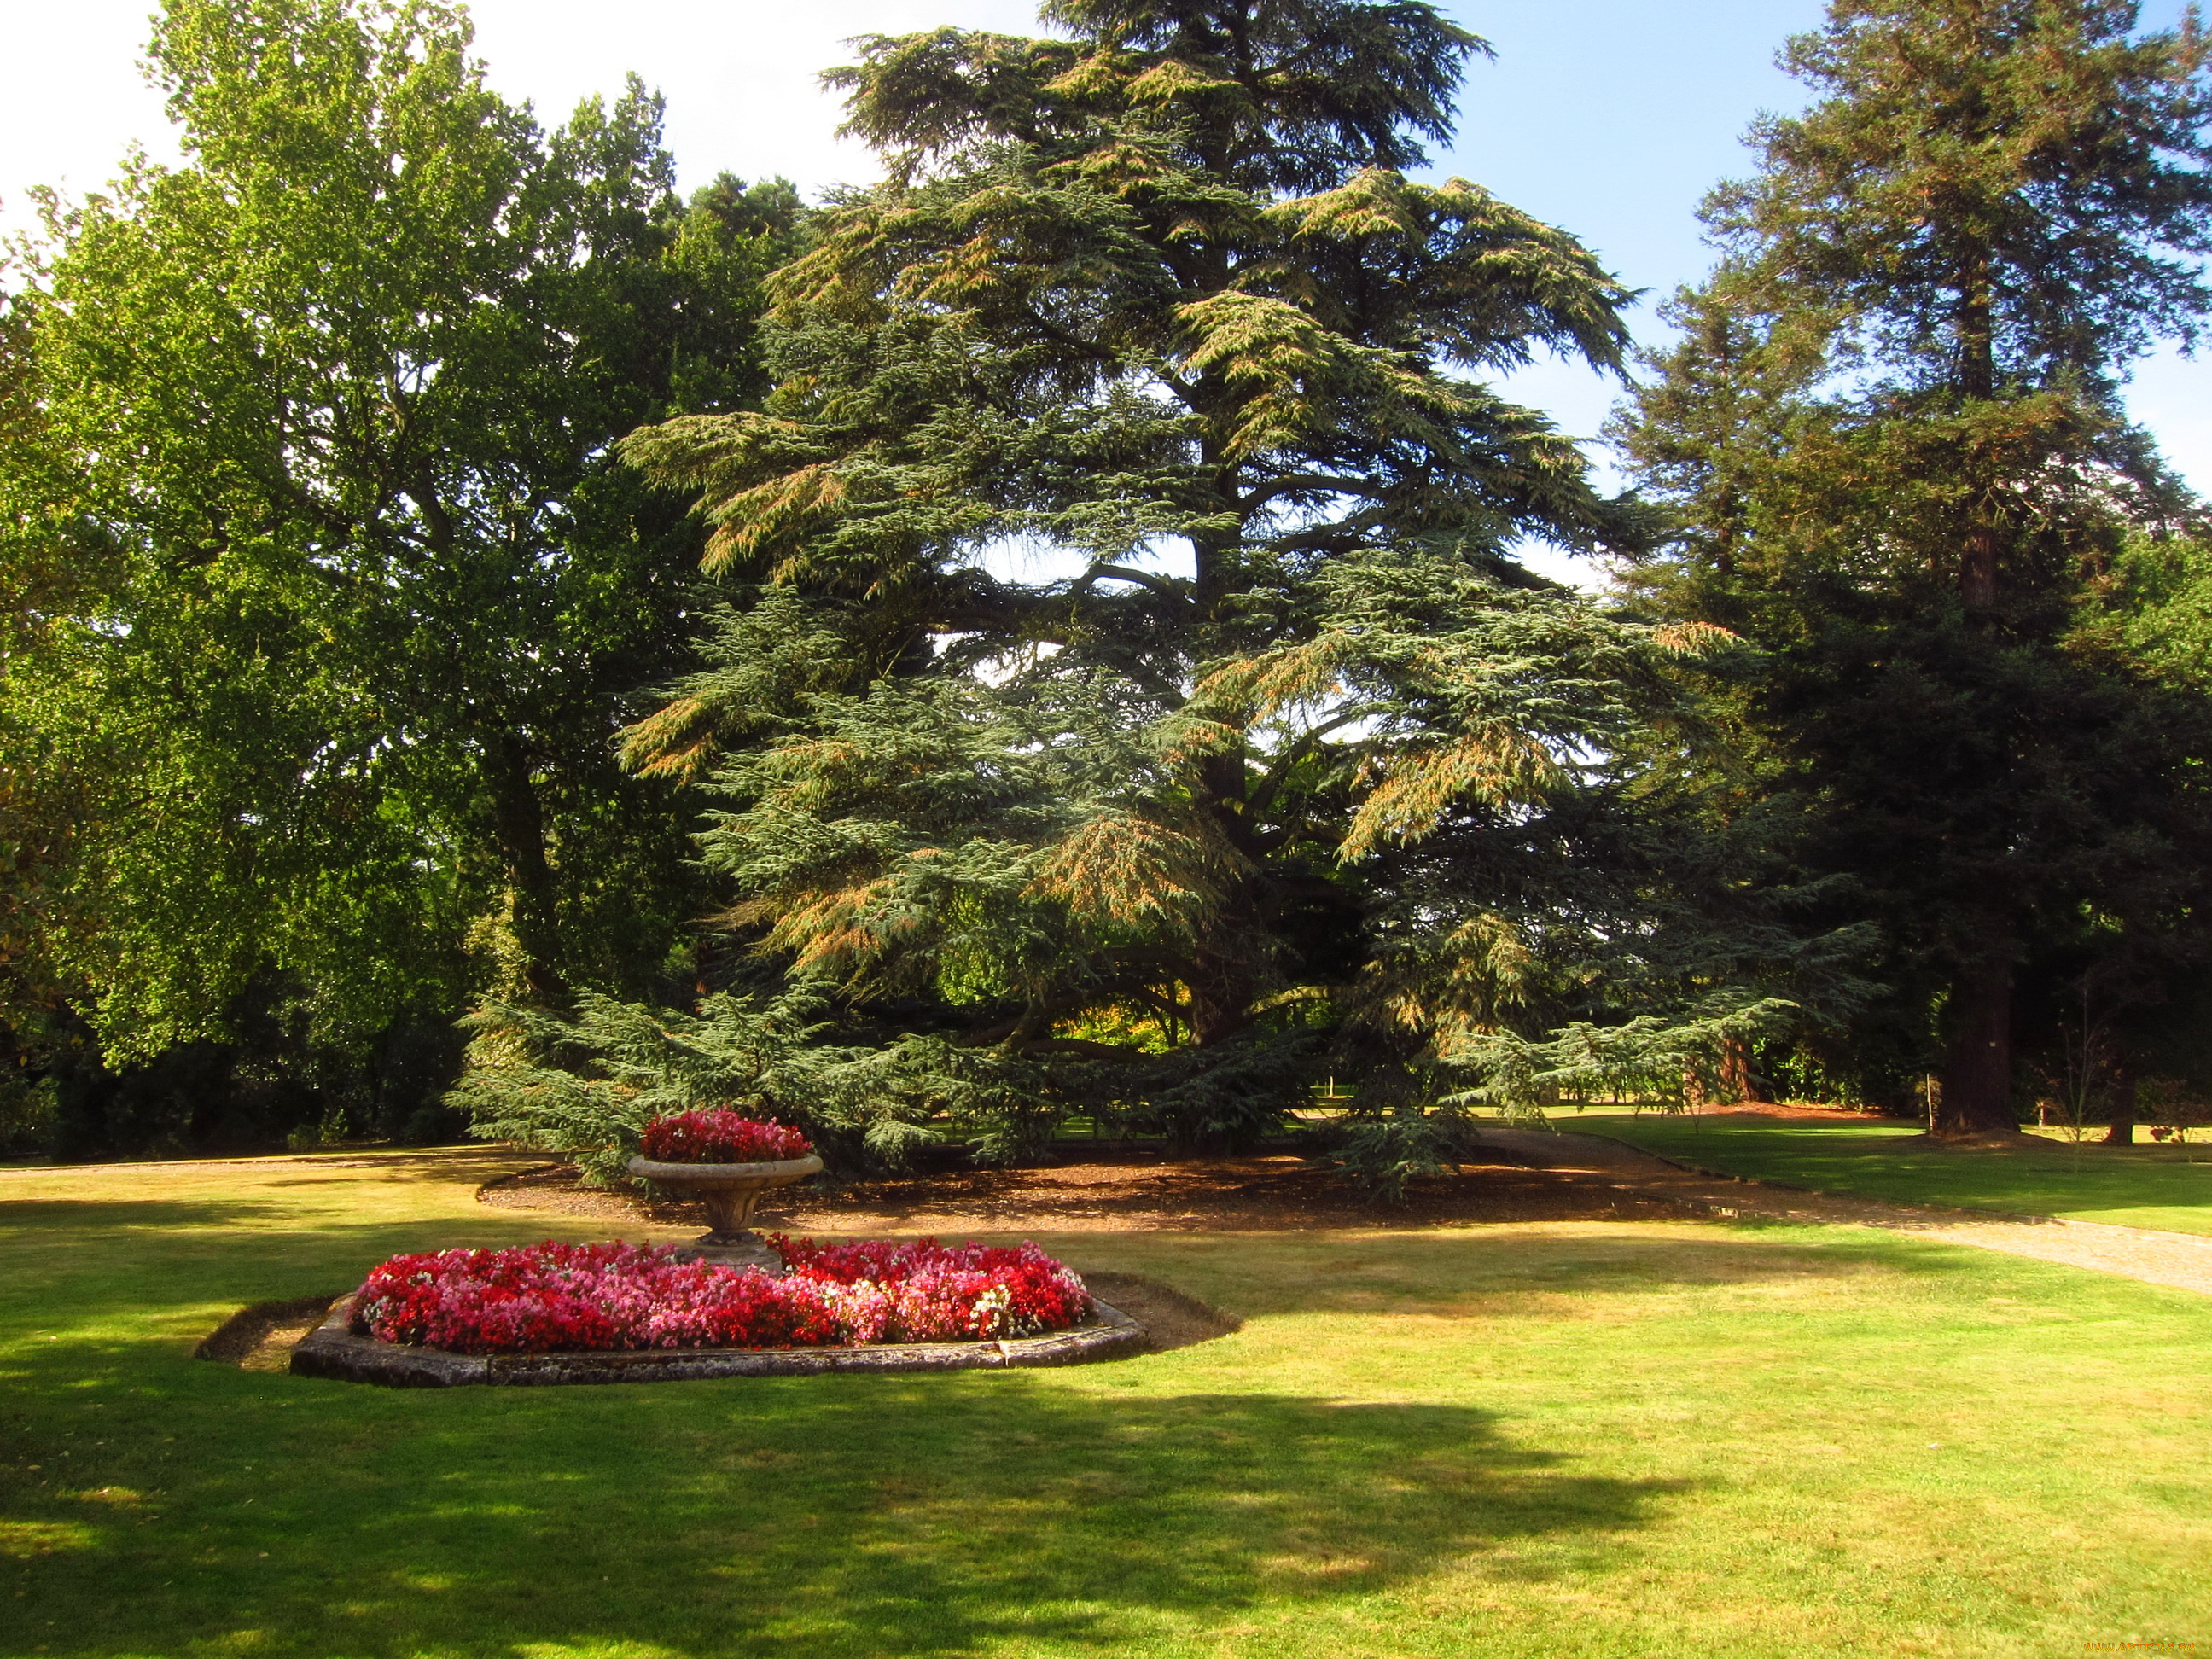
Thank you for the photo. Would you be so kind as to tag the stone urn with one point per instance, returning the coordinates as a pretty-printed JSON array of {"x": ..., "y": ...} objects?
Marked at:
[{"x": 730, "y": 1191}]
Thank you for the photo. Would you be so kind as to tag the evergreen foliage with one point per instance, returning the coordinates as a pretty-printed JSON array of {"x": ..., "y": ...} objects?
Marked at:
[
  {"x": 1892, "y": 433},
  {"x": 1298, "y": 765},
  {"x": 360, "y": 661},
  {"x": 586, "y": 1087}
]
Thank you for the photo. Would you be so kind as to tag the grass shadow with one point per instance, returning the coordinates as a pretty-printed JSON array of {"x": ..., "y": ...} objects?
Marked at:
[
  {"x": 862, "y": 1517},
  {"x": 108, "y": 1266},
  {"x": 80, "y": 1217},
  {"x": 1494, "y": 1269},
  {"x": 470, "y": 1169}
]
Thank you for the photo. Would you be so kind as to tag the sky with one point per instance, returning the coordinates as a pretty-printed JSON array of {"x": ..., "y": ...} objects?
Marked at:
[{"x": 1610, "y": 117}]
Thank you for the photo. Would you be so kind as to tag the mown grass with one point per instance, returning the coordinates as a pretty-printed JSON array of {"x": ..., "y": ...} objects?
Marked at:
[
  {"x": 2165, "y": 1186},
  {"x": 1632, "y": 1440}
]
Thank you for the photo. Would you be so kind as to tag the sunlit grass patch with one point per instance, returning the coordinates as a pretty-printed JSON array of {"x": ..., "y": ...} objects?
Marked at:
[
  {"x": 1559, "y": 1438},
  {"x": 2166, "y": 1187}
]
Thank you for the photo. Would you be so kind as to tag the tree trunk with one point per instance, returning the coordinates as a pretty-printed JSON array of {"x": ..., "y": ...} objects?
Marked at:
[
  {"x": 1977, "y": 554},
  {"x": 1222, "y": 988},
  {"x": 519, "y": 823},
  {"x": 1977, "y": 1094},
  {"x": 1221, "y": 974},
  {"x": 1736, "y": 1087},
  {"x": 2122, "y": 1129},
  {"x": 1978, "y": 572}
]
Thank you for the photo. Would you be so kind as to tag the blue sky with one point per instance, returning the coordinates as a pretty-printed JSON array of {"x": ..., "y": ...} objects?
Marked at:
[{"x": 1611, "y": 118}]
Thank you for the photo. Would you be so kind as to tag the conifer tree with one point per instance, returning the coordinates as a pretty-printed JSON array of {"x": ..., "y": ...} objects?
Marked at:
[
  {"x": 1296, "y": 744},
  {"x": 1893, "y": 431}
]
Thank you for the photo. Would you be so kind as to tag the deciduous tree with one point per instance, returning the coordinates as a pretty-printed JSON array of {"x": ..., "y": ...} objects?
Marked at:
[{"x": 359, "y": 591}]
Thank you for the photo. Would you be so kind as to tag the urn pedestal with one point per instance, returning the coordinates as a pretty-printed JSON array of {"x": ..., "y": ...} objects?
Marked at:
[{"x": 730, "y": 1191}]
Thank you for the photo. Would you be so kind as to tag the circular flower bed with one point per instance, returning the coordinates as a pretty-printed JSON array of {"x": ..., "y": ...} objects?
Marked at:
[
  {"x": 552, "y": 1297},
  {"x": 720, "y": 1136}
]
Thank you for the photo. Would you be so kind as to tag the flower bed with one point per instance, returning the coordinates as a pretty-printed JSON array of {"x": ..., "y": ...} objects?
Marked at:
[
  {"x": 721, "y": 1137},
  {"x": 553, "y": 1298}
]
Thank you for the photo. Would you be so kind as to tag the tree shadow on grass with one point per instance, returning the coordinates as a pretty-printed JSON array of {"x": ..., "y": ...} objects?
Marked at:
[
  {"x": 80, "y": 1263},
  {"x": 136, "y": 1256},
  {"x": 162, "y": 1245},
  {"x": 91, "y": 1217},
  {"x": 2029, "y": 1176},
  {"x": 468, "y": 1167},
  {"x": 1507, "y": 1272},
  {"x": 849, "y": 1515}
]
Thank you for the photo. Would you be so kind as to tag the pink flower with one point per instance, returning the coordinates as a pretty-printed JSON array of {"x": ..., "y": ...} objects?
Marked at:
[
  {"x": 721, "y": 1136},
  {"x": 553, "y": 1297}
]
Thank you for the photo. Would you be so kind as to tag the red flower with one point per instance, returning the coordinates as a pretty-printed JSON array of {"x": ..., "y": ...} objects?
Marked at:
[
  {"x": 721, "y": 1136},
  {"x": 551, "y": 1298}
]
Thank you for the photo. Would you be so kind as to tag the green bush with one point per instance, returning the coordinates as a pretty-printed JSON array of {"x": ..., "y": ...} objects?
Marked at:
[{"x": 27, "y": 1116}]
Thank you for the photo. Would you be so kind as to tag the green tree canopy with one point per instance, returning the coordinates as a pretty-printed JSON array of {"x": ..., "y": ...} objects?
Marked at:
[
  {"x": 358, "y": 591},
  {"x": 1296, "y": 743},
  {"x": 1893, "y": 432}
]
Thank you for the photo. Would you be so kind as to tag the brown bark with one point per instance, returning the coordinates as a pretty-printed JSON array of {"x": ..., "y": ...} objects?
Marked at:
[
  {"x": 1977, "y": 1094},
  {"x": 1978, "y": 358},
  {"x": 1978, "y": 555},
  {"x": 518, "y": 821},
  {"x": 1222, "y": 988},
  {"x": 1736, "y": 1087},
  {"x": 1220, "y": 975},
  {"x": 2121, "y": 1130},
  {"x": 1976, "y": 1099},
  {"x": 1977, "y": 571}
]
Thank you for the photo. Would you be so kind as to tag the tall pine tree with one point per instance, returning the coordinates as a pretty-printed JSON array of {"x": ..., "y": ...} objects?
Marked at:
[
  {"x": 1296, "y": 744},
  {"x": 1893, "y": 433}
]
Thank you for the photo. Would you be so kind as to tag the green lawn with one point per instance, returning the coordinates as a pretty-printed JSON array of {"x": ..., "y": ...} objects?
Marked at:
[
  {"x": 2148, "y": 1186},
  {"x": 1638, "y": 1439}
]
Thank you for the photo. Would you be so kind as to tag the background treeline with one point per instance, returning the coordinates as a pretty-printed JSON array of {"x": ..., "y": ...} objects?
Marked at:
[
  {"x": 450, "y": 575},
  {"x": 1896, "y": 460},
  {"x": 326, "y": 595}
]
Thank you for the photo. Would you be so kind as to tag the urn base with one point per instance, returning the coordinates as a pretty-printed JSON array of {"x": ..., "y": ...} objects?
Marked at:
[{"x": 743, "y": 1250}]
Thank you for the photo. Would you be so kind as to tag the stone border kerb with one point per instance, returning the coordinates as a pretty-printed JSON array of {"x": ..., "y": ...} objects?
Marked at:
[{"x": 332, "y": 1350}]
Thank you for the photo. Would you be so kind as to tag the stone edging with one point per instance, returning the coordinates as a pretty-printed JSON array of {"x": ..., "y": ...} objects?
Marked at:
[{"x": 332, "y": 1350}]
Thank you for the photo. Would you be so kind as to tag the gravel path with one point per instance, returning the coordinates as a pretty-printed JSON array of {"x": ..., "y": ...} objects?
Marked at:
[{"x": 2181, "y": 1259}]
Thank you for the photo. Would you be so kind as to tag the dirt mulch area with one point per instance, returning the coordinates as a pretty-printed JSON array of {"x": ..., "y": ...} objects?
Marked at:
[
  {"x": 1172, "y": 1319},
  {"x": 558, "y": 1189},
  {"x": 1795, "y": 1109},
  {"x": 1526, "y": 1175},
  {"x": 1134, "y": 1192}
]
